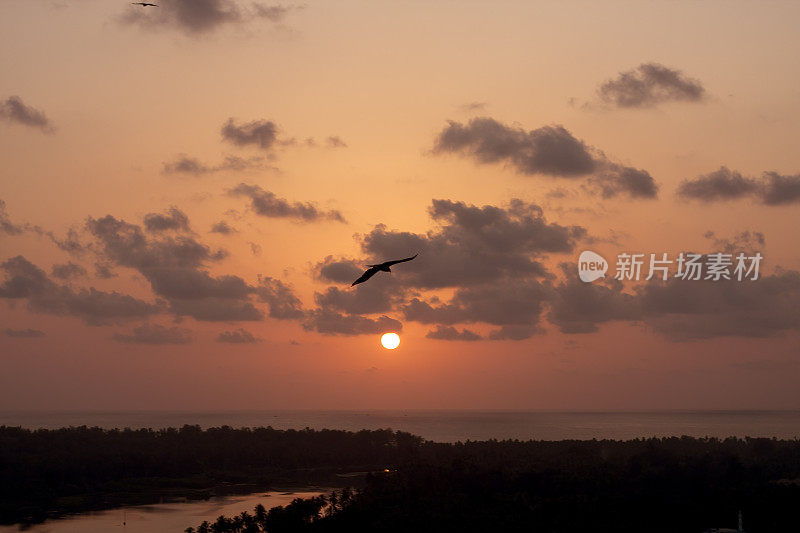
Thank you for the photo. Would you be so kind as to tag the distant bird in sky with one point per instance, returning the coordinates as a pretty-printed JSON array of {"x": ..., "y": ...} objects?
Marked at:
[
  {"x": 144, "y": 4},
  {"x": 381, "y": 267}
]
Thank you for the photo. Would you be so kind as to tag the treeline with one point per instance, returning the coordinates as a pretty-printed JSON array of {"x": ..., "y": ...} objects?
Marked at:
[
  {"x": 50, "y": 472},
  {"x": 653, "y": 485}
]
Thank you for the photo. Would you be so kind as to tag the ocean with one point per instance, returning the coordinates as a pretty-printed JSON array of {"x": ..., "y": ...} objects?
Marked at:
[{"x": 451, "y": 426}]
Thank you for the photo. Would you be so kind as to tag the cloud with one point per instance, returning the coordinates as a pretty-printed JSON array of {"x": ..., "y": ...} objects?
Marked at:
[
  {"x": 260, "y": 133},
  {"x": 184, "y": 164},
  {"x": 198, "y": 17},
  {"x": 68, "y": 270},
  {"x": 780, "y": 190},
  {"x": 613, "y": 180},
  {"x": 26, "y": 280},
  {"x": 517, "y": 332},
  {"x": 13, "y": 109},
  {"x": 212, "y": 309},
  {"x": 266, "y": 204},
  {"x": 449, "y": 333},
  {"x": 746, "y": 241},
  {"x": 334, "y": 141},
  {"x": 473, "y": 245},
  {"x": 549, "y": 150},
  {"x": 283, "y": 304},
  {"x": 378, "y": 296},
  {"x": 338, "y": 270},
  {"x": 25, "y": 333},
  {"x": 6, "y": 226},
  {"x": 578, "y": 307},
  {"x": 173, "y": 219},
  {"x": 155, "y": 334},
  {"x": 330, "y": 322},
  {"x": 274, "y": 13},
  {"x": 772, "y": 189},
  {"x": 223, "y": 228},
  {"x": 648, "y": 85},
  {"x": 176, "y": 267},
  {"x": 722, "y": 184},
  {"x": 510, "y": 302},
  {"x": 473, "y": 106},
  {"x": 694, "y": 310},
  {"x": 237, "y": 336},
  {"x": 683, "y": 310}
]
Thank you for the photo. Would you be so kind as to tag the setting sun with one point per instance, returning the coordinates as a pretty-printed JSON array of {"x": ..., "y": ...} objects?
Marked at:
[{"x": 390, "y": 341}]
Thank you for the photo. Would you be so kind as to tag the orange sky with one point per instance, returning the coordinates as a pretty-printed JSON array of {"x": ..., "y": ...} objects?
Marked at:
[{"x": 123, "y": 97}]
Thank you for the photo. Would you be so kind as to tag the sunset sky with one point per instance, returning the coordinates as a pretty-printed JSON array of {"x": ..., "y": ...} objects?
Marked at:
[{"x": 189, "y": 190}]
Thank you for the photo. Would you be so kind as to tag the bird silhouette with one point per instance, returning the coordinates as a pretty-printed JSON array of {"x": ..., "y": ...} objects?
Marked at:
[
  {"x": 144, "y": 4},
  {"x": 381, "y": 267}
]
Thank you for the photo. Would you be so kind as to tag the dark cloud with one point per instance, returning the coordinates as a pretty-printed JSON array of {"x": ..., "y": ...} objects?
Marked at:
[
  {"x": 332, "y": 323},
  {"x": 273, "y": 13},
  {"x": 210, "y": 309},
  {"x": 338, "y": 270},
  {"x": 70, "y": 244},
  {"x": 683, "y": 310},
  {"x": 173, "y": 219},
  {"x": 449, "y": 333},
  {"x": 184, "y": 164},
  {"x": 175, "y": 266},
  {"x": 68, "y": 270},
  {"x": 197, "y": 17},
  {"x": 13, "y": 109},
  {"x": 511, "y": 302},
  {"x": 283, "y": 304},
  {"x": 260, "y": 133},
  {"x": 772, "y": 189},
  {"x": 517, "y": 332},
  {"x": 6, "y": 226},
  {"x": 103, "y": 271},
  {"x": 722, "y": 184},
  {"x": 265, "y": 203},
  {"x": 473, "y": 106},
  {"x": 155, "y": 334},
  {"x": 223, "y": 227},
  {"x": 613, "y": 180},
  {"x": 26, "y": 280},
  {"x": 25, "y": 333},
  {"x": 549, "y": 150},
  {"x": 237, "y": 336},
  {"x": 578, "y": 307},
  {"x": 780, "y": 190},
  {"x": 380, "y": 295},
  {"x": 334, "y": 141},
  {"x": 472, "y": 244},
  {"x": 648, "y": 85},
  {"x": 127, "y": 245},
  {"x": 748, "y": 242}
]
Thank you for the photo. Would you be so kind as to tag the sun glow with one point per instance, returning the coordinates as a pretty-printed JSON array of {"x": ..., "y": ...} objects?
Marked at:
[{"x": 390, "y": 341}]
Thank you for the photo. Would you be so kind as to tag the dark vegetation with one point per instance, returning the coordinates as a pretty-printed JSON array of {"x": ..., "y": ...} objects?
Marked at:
[{"x": 653, "y": 485}]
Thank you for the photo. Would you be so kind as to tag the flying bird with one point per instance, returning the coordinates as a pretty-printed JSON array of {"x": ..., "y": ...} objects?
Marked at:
[
  {"x": 144, "y": 4},
  {"x": 381, "y": 267}
]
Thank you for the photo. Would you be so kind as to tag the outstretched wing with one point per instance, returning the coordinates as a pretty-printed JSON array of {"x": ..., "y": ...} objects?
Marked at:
[
  {"x": 390, "y": 263},
  {"x": 365, "y": 276}
]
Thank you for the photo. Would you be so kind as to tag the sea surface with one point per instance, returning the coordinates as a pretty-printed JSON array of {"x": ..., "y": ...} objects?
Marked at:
[
  {"x": 164, "y": 517},
  {"x": 451, "y": 426}
]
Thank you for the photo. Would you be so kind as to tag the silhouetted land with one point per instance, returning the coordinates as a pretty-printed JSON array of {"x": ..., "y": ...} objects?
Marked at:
[{"x": 654, "y": 485}]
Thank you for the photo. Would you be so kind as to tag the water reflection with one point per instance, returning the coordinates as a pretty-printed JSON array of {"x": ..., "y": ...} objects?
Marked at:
[{"x": 164, "y": 517}]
